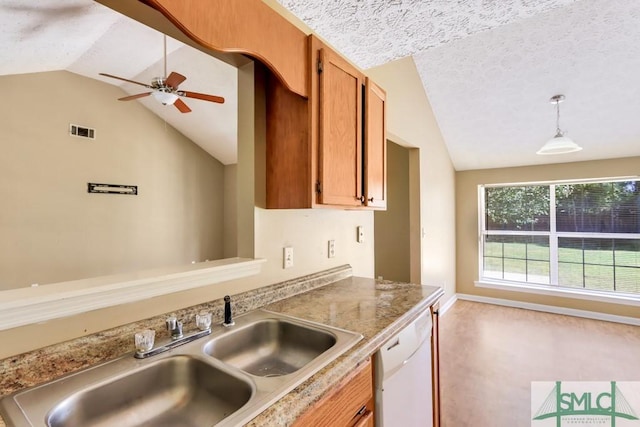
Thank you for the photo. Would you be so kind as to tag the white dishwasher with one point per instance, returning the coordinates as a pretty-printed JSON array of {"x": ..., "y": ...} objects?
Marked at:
[{"x": 403, "y": 377}]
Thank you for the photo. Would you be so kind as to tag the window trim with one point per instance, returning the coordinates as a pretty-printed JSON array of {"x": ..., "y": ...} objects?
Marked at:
[
  {"x": 560, "y": 291},
  {"x": 553, "y": 288}
]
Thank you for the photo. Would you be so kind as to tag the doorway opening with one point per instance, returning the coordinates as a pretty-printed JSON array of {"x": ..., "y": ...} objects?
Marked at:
[{"x": 397, "y": 230}]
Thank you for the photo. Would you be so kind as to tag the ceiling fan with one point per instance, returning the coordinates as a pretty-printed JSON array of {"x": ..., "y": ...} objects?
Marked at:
[{"x": 165, "y": 89}]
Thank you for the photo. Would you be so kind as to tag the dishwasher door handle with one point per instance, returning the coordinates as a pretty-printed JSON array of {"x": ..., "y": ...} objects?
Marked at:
[{"x": 394, "y": 344}]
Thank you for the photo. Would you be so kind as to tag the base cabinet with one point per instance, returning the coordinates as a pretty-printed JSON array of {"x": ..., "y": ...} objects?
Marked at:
[{"x": 349, "y": 404}]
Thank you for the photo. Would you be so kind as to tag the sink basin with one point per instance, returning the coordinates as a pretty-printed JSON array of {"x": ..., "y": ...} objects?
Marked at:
[
  {"x": 224, "y": 380},
  {"x": 178, "y": 391},
  {"x": 271, "y": 347}
]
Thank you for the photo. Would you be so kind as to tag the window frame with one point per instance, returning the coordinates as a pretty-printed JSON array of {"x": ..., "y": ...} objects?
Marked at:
[{"x": 553, "y": 288}]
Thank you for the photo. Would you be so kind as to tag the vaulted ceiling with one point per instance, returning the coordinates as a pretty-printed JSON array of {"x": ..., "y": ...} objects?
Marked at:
[
  {"x": 488, "y": 67},
  {"x": 86, "y": 38}
]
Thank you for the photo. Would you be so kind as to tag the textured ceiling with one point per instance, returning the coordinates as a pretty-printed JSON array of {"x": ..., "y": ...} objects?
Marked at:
[
  {"x": 374, "y": 32},
  {"x": 490, "y": 92},
  {"x": 87, "y": 38},
  {"x": 490, "y": 67}
]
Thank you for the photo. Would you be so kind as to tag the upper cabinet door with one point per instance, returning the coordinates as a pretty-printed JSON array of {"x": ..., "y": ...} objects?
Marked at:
[
  {"x": 340, "y": 131},
  {"x": 375, "y": 147}
]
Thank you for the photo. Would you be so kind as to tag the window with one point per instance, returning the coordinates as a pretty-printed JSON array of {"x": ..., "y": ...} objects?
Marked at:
[{"x": 581, "y": 235}]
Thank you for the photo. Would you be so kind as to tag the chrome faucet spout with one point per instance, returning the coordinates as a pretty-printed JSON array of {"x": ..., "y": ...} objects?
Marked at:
[{"x": 174, "y": 326}]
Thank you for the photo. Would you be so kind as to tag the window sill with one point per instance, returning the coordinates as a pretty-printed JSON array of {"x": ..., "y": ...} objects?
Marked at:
[{"x": 624, "y": 299}]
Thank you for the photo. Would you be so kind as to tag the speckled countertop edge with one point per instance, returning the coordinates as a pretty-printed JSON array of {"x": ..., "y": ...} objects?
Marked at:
[{"x": 45, "y": 364}]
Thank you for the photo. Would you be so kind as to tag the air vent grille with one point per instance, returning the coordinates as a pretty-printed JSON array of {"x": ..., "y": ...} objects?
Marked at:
[{"x": 82, "y": 131}]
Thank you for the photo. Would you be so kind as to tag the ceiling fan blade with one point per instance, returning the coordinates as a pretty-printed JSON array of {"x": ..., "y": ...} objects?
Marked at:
[
  {"x": 174, "y": 80},
  {"x": 126, "y": 80},
  {"x": 132, "y": 97},
  {"x": 180, "y": 105},
  {"x": 203, "y": 96}
]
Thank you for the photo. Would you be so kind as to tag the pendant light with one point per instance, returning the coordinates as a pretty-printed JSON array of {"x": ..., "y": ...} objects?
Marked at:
[{"x": 559, "y": 144}]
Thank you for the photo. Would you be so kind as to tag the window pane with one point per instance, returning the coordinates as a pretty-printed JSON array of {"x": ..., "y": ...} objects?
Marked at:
[
  {"x": 598, "y": 277},
  {"x": 599, "y": 264},
  {"x": 609, "y": 207},
  {"x": 570, "y": 274},
  {"x": 628, "y": 279},
  {"x": 515, "y": 270},
  {"x": 517, "y": 258},
  {"x": 517, "y": 208},
  {"x": 627, "y": 252}
]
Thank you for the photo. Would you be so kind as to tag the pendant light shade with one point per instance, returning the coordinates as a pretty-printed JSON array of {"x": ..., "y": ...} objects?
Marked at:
[{"x": 559, "y": 144}]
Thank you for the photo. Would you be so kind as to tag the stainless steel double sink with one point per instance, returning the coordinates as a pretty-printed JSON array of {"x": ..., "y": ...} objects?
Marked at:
[{"x": 223, "y": 379}]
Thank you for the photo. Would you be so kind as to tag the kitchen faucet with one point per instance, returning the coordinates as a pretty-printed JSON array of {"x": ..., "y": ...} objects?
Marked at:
[
  {"x": 174, "y": 326},
  {"x": 228, "y": 318}
]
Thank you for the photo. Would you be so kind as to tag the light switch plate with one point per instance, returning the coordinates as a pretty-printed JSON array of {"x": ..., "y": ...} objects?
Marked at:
[
  {"x": 331, "y": 250},
  {"x": 287, "y": 257},
  {"x": 360, "y": 234}
]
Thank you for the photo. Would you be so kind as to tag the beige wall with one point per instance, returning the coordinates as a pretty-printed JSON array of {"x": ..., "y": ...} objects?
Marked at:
[
  {"x": 230, "y": 211},
  {"x": 467, "y": 223},
  {"x": 411, "y": 122},
  {"x": 392, "y": 230},
  {"x": 53, "y": 230}
]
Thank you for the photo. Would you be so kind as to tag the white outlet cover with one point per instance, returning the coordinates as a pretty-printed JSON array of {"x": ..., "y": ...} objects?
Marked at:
[
  {"x": 287, "y": 257},
  {"x": 331, "y": 250}
]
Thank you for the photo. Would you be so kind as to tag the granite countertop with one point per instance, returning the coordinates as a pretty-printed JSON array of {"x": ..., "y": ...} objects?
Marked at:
[{"x": 377, "y": 309}]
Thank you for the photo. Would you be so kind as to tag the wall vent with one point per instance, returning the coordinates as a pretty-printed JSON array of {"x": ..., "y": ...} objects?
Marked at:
[{"x": 82, "y": 131}]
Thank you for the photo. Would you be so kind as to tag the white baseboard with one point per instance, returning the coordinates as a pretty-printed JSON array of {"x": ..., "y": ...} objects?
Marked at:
[
  {"x": 447, "y": 305},
  {"x": 547, "y": 308}
]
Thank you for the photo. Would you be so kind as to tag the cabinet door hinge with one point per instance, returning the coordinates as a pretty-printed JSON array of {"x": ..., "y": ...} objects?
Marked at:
[
  {"x": 318, "y": 187},
  {"x": 320, "y": 66}
]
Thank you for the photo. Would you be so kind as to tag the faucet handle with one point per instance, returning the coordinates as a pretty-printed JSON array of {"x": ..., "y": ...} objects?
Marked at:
[{"x": 203, "y": 320}]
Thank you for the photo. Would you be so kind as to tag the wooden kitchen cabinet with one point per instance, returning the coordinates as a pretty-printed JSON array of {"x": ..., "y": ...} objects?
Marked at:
[
  {"x": 348, "y": 404},
  {"x": 340, "y": 144},
  {"x": 329, "y": 149},
  {"x": 375, "y": 146},
  {"x": 326, "y": 143},
  {"x": 249, "y": 27}
]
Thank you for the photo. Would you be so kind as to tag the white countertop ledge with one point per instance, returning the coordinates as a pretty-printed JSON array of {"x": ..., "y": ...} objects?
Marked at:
[{"x": 19, "y": 307}]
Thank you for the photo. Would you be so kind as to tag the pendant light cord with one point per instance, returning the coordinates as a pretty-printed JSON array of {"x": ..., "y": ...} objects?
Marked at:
[{"x": 558, "y": 131}]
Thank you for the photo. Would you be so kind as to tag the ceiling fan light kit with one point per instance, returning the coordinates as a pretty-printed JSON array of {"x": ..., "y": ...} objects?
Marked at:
[
  {"x": 164, "y": 96},
  {"x": 559, "y": 144}
]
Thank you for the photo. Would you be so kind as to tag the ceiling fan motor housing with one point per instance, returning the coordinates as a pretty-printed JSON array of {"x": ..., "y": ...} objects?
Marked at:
[{"x": 159, "y": 83}]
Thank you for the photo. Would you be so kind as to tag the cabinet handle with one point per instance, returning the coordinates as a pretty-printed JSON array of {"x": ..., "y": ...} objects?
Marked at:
[
  {"x": 361, "y": 198},
  {"x": 371, "y": 200}
]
